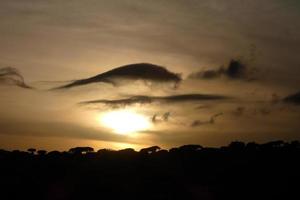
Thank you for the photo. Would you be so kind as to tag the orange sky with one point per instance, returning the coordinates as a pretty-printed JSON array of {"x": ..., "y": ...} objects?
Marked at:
[{"x": 53, "y": 42}]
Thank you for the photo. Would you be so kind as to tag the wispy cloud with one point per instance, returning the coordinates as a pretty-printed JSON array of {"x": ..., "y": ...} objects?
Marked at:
[
  {"x": 236, "y": 69},
  {"x": 210, "y": 121},
  {"x": 11, "y": 76},
  {"x": 156, "y": 118}
]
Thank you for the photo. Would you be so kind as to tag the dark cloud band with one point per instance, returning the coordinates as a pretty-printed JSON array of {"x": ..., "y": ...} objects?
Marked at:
[{"x": 159, "y": 99}]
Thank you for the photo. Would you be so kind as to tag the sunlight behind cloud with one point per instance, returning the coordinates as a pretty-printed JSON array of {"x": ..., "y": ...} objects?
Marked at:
[{"x": 125, "y": 121}]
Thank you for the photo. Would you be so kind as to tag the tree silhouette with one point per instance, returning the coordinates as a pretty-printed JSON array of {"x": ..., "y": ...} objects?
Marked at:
[
  {"x": 237, "y": 171},
  {"x": 150, "y": 150},
  {"x": 31, "y": 150},
  {"x": 41, "y": 152},
  {"x": 81, "y": 150},
  {"x": 237, "y": 146},
  {"x": 190, "y": 148}
]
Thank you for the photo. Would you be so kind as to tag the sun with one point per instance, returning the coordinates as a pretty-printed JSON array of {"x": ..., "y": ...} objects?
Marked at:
[{"x": 125, "y": 121}]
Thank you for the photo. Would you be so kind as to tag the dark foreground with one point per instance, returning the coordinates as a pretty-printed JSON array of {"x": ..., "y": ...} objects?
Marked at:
[{"x": 238, "y": 171}]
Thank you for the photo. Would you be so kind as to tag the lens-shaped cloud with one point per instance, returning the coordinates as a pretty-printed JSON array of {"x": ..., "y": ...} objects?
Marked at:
[{"x": 139, "y": 71}]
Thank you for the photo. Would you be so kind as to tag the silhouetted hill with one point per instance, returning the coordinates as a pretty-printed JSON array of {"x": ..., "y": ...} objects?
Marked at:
[{"x": 236, "y": 171}]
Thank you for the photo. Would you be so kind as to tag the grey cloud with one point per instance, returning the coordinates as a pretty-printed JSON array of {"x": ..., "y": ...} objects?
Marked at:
[
  {"x": 210, "y": 121},
  {"x": 11, "y": 76},
  {"x": 235, "y": 70},
  {"x": 293, "y": 99},
  {"x": 156, "y": 118},
  {"x": 239, "y": 111},
  {"x": 139, "y": 71}
]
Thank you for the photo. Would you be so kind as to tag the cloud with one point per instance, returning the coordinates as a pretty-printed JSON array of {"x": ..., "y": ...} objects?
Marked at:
[
  {"x": 210, "y": 121},
  {"x": 239, "y": 111},
  {"x": 235, "y": 70},
  {"x": 138, "y": 71},
  {"x": 11, "y": 76},
  {"x": 293, "y": 99},
  {"x": 156, "y": 118},
  {"x": 160, "y": 99}
]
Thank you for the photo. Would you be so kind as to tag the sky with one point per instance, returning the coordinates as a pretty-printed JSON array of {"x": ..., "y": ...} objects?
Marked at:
[{"x": 237, "y": 61}]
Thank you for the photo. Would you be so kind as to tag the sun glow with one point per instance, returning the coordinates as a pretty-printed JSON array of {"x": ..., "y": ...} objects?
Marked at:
[{"x": 125, "y": 121}]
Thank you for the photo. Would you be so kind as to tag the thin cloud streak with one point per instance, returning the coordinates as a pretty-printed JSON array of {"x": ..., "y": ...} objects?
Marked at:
[{"x": 156, "y": 99}]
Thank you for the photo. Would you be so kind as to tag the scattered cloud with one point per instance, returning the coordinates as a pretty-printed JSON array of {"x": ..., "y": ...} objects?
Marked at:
[
  {"x": 239, "y": 111},
  {"x": 210, "y": 121},
  {"x": 11, "y": 76},
  {"x": 293, "y": 98},
  {"x": 156, "y": 118},
  {"x": 236, "y": 70},
  {"x": 138, "y": 71}
]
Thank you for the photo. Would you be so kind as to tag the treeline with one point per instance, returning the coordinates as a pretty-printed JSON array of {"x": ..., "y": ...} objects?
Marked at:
[
  {"x": 233, "y": 146},
  {"x": 237, "y": 171}
]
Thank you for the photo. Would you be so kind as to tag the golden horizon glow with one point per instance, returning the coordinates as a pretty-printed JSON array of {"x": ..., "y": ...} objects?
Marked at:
[{"x": 125, "y": 121}]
